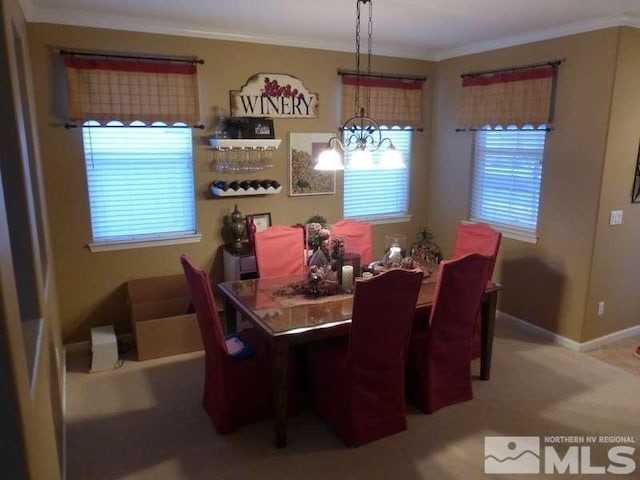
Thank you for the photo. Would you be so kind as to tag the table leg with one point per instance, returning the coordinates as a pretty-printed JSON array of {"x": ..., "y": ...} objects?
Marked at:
[
  {"x": 489, "y": 306},
  {"x": 229, "y": 316},
  {"x": 280, "y": 390}
]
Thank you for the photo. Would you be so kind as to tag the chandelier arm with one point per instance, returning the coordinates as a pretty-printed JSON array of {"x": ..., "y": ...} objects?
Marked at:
[{"x": 335, "y": 140}]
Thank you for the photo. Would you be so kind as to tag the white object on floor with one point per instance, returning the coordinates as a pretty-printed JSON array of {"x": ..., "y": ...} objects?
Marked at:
[{"x": 104, "y": 349}]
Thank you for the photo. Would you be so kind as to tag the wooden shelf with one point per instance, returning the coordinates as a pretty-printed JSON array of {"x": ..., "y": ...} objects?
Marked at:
[{"x": 218, "y": 192}]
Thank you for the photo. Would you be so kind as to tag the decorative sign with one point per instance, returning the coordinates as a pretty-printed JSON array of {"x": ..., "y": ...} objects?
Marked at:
[{"x": 274, "y": 95}]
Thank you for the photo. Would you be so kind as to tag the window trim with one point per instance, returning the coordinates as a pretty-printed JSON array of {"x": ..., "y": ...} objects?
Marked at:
[
  {"x": 383, "y": 219},
  {"x": 108, "y": 246}
]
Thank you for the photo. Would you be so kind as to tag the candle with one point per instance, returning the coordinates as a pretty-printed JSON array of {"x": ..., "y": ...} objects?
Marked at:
[{"x": 347, "y": 278}]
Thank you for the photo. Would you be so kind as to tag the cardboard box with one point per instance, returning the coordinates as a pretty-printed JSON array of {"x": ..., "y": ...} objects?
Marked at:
[{"x": 161, "y": 325}]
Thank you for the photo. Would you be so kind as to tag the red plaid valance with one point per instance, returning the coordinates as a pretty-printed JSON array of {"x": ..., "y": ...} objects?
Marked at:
[
  {"x": 506, "y": 98},
  {"x": 129, "y": 90},
  {"x": 390, "y": 101}
]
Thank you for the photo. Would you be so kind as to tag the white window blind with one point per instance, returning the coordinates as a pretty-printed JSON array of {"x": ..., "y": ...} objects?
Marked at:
[
  {"x": 140, "y": 181},
  {"x": 506, "y": 179},
  {"x": 376, "y": 192}
]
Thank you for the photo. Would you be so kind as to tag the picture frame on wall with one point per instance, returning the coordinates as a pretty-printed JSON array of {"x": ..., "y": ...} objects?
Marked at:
[
  {"x": 635, "y": 189},
  {"x": 259, "y": 128},
  {"x": 262, "y": 221},
  {"x": 304, "y": 149}
]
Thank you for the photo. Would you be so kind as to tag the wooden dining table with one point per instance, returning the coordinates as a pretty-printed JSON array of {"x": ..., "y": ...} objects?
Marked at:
[{"x": 289, "y": 320}]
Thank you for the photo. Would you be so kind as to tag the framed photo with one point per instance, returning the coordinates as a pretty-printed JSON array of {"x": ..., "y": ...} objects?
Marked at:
[
  {"x": 635, "y": 191},
  {"x": 260, "y": 220},
  {"x": 259, "y": 128},
  {"x": 304, "y": 149}
]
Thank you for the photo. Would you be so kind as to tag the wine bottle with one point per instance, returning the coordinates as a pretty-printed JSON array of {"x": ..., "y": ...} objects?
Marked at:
[{"x": 252, "y": 231}]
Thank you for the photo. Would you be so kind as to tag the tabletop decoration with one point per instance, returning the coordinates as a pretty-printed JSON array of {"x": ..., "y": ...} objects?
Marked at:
[
  {"x": 337, "y": 251},
  {"x": 313, "y": 286},
  {"x": 405, "y": 263},
  {"x": 395, "y": 248},
  {"x": 425, "y": 248},
  {"x": 318, "y": 240}
]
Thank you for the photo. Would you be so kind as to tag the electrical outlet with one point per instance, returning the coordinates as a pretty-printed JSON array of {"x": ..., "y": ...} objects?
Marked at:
[{"x": 600, "y": 308}]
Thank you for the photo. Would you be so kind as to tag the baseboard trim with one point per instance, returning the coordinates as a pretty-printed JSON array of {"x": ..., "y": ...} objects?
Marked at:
[
  {"x": 612, "y": 337},
  {"x": 558, "y": 339},
  {"x": 64, "y": 413}
]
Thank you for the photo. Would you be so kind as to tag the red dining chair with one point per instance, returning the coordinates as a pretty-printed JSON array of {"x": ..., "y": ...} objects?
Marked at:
[
  {"x": 477, "y": 238},
  {"x": 237, "y": 384},
  {"x": 358, "y": 237},
  {"x": 279, "y": 251},
  {"x": 358, "y": 385},
  {"x": 439, "y": 364}
]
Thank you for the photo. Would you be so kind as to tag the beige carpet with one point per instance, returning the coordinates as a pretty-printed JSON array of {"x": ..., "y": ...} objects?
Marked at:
[
  {"x": 620, "y": 354},
  {"x": 144, "y": 421}
]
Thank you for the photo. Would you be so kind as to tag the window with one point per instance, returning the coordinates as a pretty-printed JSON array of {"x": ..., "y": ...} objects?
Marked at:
[
  {"x": 506, "y": 179},
  {"x": 376, "y": 193},
  {"x": 140, "y": 182}
]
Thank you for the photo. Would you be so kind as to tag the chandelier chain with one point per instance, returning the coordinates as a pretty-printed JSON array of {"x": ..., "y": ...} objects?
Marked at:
[
  {"x": 356, "y": 106},
  {"x": 369, "y": 48}
]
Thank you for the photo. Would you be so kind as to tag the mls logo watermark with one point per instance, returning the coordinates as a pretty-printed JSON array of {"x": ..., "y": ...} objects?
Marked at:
[
  {"x": 523, "y": 455},
  {"x": 511, "y": 455}
]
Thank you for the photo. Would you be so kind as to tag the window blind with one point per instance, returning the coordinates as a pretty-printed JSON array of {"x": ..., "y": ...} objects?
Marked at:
[
  {"x": 140, "y": 181},
  {"x": 506, "y": 178},
  {"x": 377, "y": 192}
]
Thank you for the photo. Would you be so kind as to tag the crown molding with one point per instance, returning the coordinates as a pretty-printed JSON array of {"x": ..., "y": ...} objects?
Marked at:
[
  {"x": 36, "y": 14},
  {"x": 27, "y": 8},
  {"x": 137, "y": 24},
  {"x": 538, "y": 35}
]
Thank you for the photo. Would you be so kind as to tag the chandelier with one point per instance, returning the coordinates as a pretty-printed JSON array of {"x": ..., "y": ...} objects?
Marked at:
[{"x": 362, "y": 134}]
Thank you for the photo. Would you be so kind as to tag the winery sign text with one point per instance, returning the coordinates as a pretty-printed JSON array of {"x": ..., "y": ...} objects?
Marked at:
[{"x": 274, "y": 95}]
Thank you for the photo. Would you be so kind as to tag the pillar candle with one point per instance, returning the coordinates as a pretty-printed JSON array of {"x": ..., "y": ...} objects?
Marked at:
[{"x": 347, "y": 278}]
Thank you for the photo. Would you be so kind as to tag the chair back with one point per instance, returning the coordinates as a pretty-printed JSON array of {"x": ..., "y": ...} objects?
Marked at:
[
  {"x": 205, "y": 307},
  {"x": 358, "y": 238},
  {"x": 279, "y": 251},
  {"x": 477, "y": 238},
  {"x": 383, "y": 311},
  {"x": 459, "y": 288}
]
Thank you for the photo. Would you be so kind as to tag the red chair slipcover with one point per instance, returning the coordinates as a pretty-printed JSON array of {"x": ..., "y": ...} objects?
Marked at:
[
  {"x": 438, "y": 371},
  {"x": 358, "y": 385},
  {"x": 358, "y": 238},
  {"x": 477, "y": 238},
  {"x": 279, "y": 251},
  {"x": 236, "y": 391}
]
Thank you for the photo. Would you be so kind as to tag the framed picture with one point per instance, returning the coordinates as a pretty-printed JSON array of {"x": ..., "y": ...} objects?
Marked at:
[
  {"x": 635, "y": 190},
  {"x": 260, "y": 220},
  {"x": 304, "y": 149},
  {"x": 259, "y": 128}
]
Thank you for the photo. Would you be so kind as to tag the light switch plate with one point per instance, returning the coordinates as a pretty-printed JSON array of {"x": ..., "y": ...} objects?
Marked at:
[{"x": 616, "y": 217}]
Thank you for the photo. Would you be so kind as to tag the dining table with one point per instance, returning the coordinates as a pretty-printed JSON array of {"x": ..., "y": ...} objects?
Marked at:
[{"x": 287, "y": 318}]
